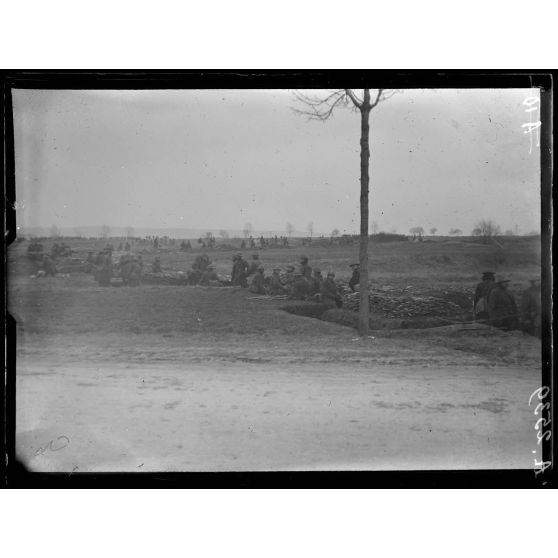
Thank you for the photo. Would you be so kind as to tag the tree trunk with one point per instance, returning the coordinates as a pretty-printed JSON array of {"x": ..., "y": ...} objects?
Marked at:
[{"x": 364, "y": 310}]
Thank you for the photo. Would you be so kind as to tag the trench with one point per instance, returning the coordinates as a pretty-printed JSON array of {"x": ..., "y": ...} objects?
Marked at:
[{"x": 349, "y": 318}]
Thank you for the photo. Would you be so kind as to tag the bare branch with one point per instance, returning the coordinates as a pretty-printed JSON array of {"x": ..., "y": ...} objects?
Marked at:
[
  {"x": 357, "y": 102},
  {"x": 320, "y": 108},
  {"x": 378, "y": 96}
]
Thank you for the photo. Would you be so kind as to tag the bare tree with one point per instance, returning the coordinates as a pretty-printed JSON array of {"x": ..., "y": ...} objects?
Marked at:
[
  {"x": 54, "y": 232},
  {"x": 335, "y": 233},
  {"x": 290, "y": 229},
  {"x": 223, "y": 234},
  {"x": 105, "y": 231},
  {"x": 310, "y": 228},
  {"x": 247, "y": 230},
  {"x": 322, "y": 108},
  {"x": 486, "y": 228},
  {"x": 417, "y": 230},
  {"x": 455, "y": 232},
  {"x": 433, "y": 231}
]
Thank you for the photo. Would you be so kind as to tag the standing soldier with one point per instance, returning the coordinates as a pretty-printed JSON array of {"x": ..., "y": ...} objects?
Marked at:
[
  {"x": 502, "y": 310},
  {"x": 234, "y": 272},
  {"x": 531, "y": 309},
  {"x": 242, "y": 271},
  {"x": 355, "y": 277},
  {"x": 480, "y": 302}
]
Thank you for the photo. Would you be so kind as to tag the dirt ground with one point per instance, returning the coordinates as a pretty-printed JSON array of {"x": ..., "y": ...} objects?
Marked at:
[{"x": 164, "y": 378}]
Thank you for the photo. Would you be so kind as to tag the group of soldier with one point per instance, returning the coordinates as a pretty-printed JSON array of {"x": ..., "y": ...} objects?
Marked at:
[
  {"x": 273, "y": 242},
  {"x": 495, "y": 305},
  {"x": 130, "y": 267},
  {"x": 304, "y": 284}
]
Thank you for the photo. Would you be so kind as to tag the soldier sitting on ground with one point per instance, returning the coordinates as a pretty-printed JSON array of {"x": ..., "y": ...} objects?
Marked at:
[
  {"x": 254, "y": 265},
  {"x": 208, "y": 275},
  {"x": 258, "y": 282},
  {"x": 104, "y": 271},
  {"x": 131, "y": 271},
  {"x": 48, "y": 266},
  {"x": 502, "y": 310},
  {"x": 330, "y": 292},
  {"x": 300, "y": 288},
  {"x": 480, "y": 301},
  {"x": 305, "y": 269},
  {"x": 288, "y": 279},
  {"x": 201, "y": 262},
  {"x": 156, "y": 265},
  {"x": 275, "y": 285},
  {"x": 316, "y": 283}
]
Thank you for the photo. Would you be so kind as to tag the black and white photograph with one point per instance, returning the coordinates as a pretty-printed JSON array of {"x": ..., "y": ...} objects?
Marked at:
[{"x": 273, "y": 278}]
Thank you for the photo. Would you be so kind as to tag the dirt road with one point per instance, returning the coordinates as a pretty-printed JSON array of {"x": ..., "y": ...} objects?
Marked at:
[{"x": 245, "y": 416}]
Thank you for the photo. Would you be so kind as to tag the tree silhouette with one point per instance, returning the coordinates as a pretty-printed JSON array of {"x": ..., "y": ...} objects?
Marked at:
[
  {"x": 310, "y": 228},
  {"x": 322, "y": 108}
]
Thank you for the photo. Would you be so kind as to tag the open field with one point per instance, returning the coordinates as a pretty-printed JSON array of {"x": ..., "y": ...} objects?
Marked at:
[{"x": 207, "y": 378}]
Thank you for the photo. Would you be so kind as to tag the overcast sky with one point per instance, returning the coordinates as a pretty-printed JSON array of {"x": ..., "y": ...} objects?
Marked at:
[{"x": 219, "y": 159}]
